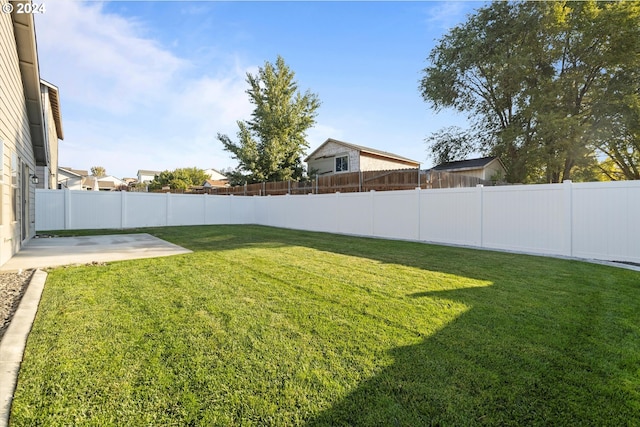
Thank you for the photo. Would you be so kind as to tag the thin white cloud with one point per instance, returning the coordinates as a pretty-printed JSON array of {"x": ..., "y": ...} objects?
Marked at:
[
  {"x": 129, "y": 103},
  {"x": 101, "y": 59},
  {"x": 447, "y": 14}
]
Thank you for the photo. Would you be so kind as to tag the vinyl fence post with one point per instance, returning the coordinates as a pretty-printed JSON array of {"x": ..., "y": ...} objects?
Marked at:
[
  {"x": 480, "y": 189},
  {"x": 123, "y": 209},
  {"x": 67, "y": 208},
  {"x": 568, "y": 217},
  {"x": 168, "y": 217}
]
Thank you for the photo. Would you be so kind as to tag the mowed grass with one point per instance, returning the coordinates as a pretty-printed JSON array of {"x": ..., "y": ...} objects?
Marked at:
[{"x": 264, "y": 326}]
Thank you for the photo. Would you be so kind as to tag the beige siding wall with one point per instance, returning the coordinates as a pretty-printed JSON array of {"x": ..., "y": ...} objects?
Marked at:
[
  {"x": 16, "y": 145},
  {"x": 485, "y": 173},
  {"x": 324, "y": 161},
  {"x": 493, "y": 168},
  {"x": 371, "y": 163},
  {"x": 476, "y": 173}
]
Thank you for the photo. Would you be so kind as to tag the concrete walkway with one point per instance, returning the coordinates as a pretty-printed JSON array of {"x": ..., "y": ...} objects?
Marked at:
[
  {"x": 53, "y": 252},
  {"x": 57, "y": 251},
  {"x": 14, "y": 341}
]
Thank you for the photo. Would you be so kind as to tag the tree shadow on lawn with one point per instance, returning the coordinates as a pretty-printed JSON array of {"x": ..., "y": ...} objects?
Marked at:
[
  {"x": 548, "y": 342},
  {"x": 510, "y": 364}
]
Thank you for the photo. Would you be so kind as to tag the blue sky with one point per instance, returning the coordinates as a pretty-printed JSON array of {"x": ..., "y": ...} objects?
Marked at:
[{"x": 149, "y": 84}]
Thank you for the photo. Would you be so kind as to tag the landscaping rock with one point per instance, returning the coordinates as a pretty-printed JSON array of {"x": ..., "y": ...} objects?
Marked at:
[{"x": 12, "y": 287}]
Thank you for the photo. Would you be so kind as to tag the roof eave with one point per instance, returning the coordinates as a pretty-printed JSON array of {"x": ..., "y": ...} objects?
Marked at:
[
  {"x": 54, "y": 98},
  {"x": 24, "y": 30},
  {"x": 362, "y": 149}
]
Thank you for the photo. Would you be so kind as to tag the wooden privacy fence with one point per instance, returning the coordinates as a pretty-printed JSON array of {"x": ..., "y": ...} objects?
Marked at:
[{"x": 353, "y": 182}]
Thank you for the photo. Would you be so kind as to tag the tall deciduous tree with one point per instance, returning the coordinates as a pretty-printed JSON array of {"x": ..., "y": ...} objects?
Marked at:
[
  {"x": 270, "y": 145},
  {"x": 536, "y": 79}
]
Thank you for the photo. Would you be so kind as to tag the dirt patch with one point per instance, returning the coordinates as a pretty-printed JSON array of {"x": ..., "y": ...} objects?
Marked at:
[{"x": 12, "y": 287}]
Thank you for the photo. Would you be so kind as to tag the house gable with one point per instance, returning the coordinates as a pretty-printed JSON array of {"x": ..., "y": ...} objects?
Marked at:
[{"x": 332, "y": 155}]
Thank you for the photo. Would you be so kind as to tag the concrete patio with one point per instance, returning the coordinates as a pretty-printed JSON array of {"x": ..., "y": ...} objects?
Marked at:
[
  {"x": 58, "y": 251},
  {"x": 53, "y": 252}
]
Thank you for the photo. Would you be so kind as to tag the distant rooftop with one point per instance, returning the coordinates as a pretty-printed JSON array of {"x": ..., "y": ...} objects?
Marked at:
[{"x": 466, "y": 164}]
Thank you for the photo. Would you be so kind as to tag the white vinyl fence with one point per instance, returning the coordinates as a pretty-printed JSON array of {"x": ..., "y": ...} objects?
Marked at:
[{"x": 585, "y": 220}]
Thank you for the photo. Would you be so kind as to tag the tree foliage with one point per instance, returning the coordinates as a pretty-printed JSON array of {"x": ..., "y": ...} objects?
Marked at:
[
  {"x": 271, "y": 143},
  {"x": 98, "y": 171},
  {"x": 179, "y": 179},
  {"x": 543, "y": 84}
]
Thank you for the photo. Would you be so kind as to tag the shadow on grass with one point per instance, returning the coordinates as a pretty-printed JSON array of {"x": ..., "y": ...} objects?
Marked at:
[
  {"x": 550, "y": 342},
  {"x": 510, "y": 364}
]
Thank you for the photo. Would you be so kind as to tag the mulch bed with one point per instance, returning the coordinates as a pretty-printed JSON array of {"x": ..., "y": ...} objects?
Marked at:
[{"x": 12, "y": 287}]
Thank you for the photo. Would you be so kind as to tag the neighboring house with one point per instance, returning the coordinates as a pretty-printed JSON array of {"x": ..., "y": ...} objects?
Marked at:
[
  {"x": 76, "y": 179},
  {"x": 212, "y": 183},
  {"x": 145, "y": 176},
  {"x": 335, "y": 156},
  {"x": 26, "y": 130},
  {"x": 110, "y": 183},
  {"x": 215, "y": 175},
  {"x": 487, "y": 168},
  {"x": 216, "y": 179}
]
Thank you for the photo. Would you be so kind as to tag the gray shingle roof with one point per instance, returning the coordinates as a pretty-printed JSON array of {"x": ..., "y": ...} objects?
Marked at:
[{"x": 465, "y": 164}]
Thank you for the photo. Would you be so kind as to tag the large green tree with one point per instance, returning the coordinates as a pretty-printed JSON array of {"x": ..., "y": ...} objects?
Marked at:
[
  {"x": 537, "y": 80},
  {"x": 270, "y": 145}
]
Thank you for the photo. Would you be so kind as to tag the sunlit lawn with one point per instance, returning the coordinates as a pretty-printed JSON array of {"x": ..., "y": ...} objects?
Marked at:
[{"x": 263, "y": 326}]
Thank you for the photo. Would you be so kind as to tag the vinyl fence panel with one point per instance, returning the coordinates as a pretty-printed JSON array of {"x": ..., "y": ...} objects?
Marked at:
[
  {"x": 396, "y": 214},
  {"x": 452, "y": 216},
  {"x": 93, "y": 209},
  {"x": 50, "y": 209},
  {"x": 145, "y": 210},
  {"x": 606, "y": 220},
  {"x": 526, "y": 221},
  {"x": 587, "y": 220}
]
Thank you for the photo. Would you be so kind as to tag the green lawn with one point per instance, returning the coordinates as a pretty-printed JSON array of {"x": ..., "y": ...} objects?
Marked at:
[{"x": 264, "y": 326}]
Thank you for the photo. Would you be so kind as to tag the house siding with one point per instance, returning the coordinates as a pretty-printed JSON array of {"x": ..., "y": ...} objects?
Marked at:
[
  {"x": 486, "y": 173},
  {"x": 324, "y": 159},
  {"x": 16, "y": 139},
  {"x": 376, "y": 163},
  {"x": 493, "y": 168}
]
